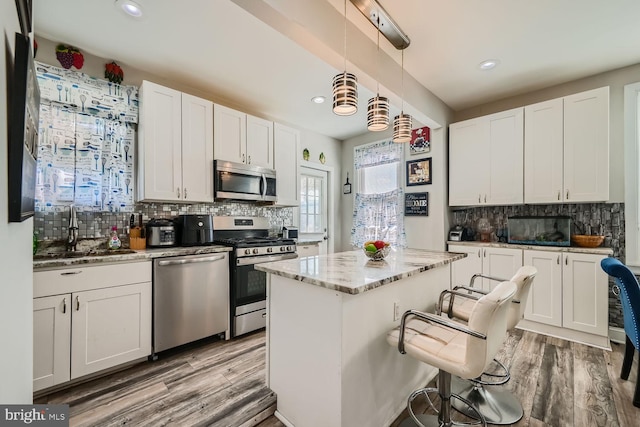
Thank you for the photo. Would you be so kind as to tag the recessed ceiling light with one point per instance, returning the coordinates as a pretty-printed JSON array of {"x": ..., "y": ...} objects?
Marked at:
[
  {"x": 489, "y": 64},
  {"x": 318, "y": 99},
  {"x": 130, "y": 7}
]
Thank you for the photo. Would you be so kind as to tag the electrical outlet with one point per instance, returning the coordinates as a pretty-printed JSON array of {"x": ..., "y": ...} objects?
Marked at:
[{"x": 396, "y": 311}]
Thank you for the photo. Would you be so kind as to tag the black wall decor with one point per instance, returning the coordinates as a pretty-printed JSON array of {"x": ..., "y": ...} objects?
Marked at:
[
  {"x": 416, "y": 204},
  {"x": 23, "y": 132}
]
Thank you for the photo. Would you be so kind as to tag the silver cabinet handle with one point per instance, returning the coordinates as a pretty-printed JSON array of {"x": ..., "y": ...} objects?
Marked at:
[
  {"x": 185, "y": 193},
  {"x": 566, "y": 260},
  {"x": 190, "y": 261},
  {"x": 178, "y": 192},
  {"x": 558, "y": 260},
  {"x": 479, "y": 252},
  {"x": 558, "y": 194},
  {"x": 64, "y": 305},
  {"x": 70, "y": 273},
  {"x": 567, "y": 194},
  {"x": 243, "y": 158},
  {"x": 485, "y": 198},
  {"x": 77, "y": 303},
  {"x": 479, "y": 198},
  {"x": 485, "y": 253},
  {"x": 249, "y": 159}
]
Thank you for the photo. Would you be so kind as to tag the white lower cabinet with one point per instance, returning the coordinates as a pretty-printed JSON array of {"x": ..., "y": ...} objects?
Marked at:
[
  {"x": 85, "y": 331},
  {"x": 307, "y": 249},
  {"x": 495, "y": 262},
  {"x": 570, "y": 295}
]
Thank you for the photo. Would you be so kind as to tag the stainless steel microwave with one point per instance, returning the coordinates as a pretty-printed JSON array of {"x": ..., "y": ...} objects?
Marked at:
[{"x": 237, "y": 181}]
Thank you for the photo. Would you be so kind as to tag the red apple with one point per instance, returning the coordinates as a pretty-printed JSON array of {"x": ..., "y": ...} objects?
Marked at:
[{"x": 379, "y": 244}]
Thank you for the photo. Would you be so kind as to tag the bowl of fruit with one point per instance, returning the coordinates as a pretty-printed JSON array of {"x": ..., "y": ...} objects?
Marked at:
[{"x": 377, "y": 250}]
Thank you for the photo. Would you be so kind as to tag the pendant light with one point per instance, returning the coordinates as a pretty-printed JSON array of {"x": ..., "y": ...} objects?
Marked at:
[
  {"x": 402, "y": 122},
  {"x": 378, "y": 107},
  {"x": 345, "y": 85}
]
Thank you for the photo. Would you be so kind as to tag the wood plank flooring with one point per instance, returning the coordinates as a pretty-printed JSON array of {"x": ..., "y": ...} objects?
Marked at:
[{"x": 222, "y": 383}]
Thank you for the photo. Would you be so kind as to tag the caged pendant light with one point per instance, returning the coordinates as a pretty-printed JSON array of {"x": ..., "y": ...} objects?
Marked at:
[
  {"x": 402, "y": 122},
  {"x": 345, "y": 85},
  {"x": 378, "y": 107}
]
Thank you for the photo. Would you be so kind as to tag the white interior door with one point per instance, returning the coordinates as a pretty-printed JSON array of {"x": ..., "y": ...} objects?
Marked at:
[{"x": 314, "y": 209}]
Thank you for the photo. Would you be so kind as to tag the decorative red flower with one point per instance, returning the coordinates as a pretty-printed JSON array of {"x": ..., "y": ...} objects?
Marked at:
[{"x": 113, "y": 72}]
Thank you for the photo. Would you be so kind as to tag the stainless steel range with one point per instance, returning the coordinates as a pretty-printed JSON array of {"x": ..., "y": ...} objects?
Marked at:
[{"x": 249, "y": 236}]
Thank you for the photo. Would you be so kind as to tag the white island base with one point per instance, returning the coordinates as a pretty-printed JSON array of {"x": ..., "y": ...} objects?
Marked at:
[{"x": 328, "y": 360}]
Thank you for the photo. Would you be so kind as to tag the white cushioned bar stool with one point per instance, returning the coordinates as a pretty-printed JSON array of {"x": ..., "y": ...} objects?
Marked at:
[
  {"x": 464, "y": 350},
  {"x": 497, "y": 406}
]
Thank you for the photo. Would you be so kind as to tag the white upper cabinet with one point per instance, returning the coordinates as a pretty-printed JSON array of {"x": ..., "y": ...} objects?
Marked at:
[
  {"x": 176, "y": 146},
  {"x": 567, "y": 149},
  {"x": 287, "y": 165},
  {"x": 485, "y": 160},
  {"x": 242, "y": 138},
  {"x": 586, "y": 146},
  {"x": 543, "y": 152}
]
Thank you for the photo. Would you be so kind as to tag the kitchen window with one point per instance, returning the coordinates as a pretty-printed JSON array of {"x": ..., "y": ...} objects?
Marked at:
[
  {"x": 632, "y": 174},
  {"x": 378, "y": 200},
  {"x": 312, "y": 199}
]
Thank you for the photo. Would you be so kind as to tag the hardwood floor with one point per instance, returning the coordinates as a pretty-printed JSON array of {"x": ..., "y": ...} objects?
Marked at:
[{"x": 221, "y": 383}]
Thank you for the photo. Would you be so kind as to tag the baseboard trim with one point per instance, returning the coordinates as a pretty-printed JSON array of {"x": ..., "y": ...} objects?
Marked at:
[{"x": 617, "y": 335}]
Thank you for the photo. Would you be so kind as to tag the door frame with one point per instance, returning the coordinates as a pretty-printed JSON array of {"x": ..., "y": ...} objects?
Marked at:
[{"x": 331, "y": 202}]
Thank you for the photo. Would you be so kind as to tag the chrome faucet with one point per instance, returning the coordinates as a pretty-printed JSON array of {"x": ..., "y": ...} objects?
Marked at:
[{"x": 72, "y": 240}]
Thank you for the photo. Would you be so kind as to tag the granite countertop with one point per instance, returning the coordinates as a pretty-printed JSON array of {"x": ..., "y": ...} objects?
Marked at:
[
  {"x": 128, "y": 256},
  {"x": 353, "y": 273},
  {"x": 573, "y": 249}
]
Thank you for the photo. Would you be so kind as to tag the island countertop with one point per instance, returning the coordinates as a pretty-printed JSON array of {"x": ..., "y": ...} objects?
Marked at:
[{"x": 353, "y": 273}]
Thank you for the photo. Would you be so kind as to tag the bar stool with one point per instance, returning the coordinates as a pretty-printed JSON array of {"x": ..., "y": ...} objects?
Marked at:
[
  {"x": 453, "y": 348},
  {"x": 497, "y": 406}
]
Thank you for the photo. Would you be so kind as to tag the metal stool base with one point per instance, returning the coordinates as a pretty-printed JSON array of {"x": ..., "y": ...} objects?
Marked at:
[{"x": 497, "y": 406}]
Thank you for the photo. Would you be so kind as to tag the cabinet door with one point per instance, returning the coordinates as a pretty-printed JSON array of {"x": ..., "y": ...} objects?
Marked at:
[
  {"x": 586, "y": 146},
  {"x": 500, "y": 263},
  {"x": 51, "y": 340},
  {"x": 585, "y": 294},
  {"x": 159, "y": 143},
  {"x": 110, "y": 326},
  {"x": 463, "y": 269},
  {"x": 229, "y": 134},
  {"x": 304, "y": 250},
  {"x": 468, "y": 162},
  {"x": 197, "y": 149},
  {"x": 287, "y": 165},
  {"x": 544, "y": 304},
  {"x": 543, "y": 152},
  {"x": 505, "y": 161},
  {"x": 259, "y": 142}
]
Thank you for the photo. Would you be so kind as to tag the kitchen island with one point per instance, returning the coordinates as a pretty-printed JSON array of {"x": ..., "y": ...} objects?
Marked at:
[{"x": 328, "y": 360}]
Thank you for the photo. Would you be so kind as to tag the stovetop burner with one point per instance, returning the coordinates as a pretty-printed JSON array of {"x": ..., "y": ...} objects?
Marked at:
[{"x": 249, "y": 242}]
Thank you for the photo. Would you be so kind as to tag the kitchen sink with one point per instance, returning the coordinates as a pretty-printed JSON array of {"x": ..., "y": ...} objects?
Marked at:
[{"x": 80, "y": 254}]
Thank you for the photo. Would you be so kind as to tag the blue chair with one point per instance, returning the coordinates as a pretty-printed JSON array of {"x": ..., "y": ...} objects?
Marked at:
[{"x": 630, "y": 298}]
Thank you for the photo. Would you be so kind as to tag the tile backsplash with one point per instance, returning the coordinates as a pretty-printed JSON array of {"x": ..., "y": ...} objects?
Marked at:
[
  {"x": 53, "y": 225},
  {"x": 591, "y": 218}
]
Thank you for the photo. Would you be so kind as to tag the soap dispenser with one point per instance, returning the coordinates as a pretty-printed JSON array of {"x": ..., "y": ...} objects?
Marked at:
[{"x": 114, "y": 241}]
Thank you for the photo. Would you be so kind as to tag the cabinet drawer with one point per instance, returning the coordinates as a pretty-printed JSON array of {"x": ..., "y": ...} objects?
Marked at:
[{"x": 83, "y": 278}]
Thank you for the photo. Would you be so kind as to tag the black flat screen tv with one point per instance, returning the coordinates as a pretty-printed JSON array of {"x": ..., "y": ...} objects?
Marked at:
[{"x": 24, "y": 106}]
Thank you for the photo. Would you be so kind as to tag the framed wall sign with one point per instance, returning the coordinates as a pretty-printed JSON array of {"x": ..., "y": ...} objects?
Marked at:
[
  {"x": 416, "y": 204},
  {"x": 420, "y": 142},
  {"x": 419, "y": 172}
]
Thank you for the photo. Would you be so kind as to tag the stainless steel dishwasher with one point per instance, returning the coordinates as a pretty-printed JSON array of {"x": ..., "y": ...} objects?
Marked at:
[{"x": 190, "y": 299}]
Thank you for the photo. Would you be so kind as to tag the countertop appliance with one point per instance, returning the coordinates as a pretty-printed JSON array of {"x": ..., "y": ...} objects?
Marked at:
[
  {"x": 249, "y": 238},
  {"x": 455, "y": 234},
  {"x": 238, "y": 181},
  {"x": 289, "y": 232},
  {"x": 161, "y": 232},
  {"x": 195, "y": 230},
  {"x": 190, "y": 299}
]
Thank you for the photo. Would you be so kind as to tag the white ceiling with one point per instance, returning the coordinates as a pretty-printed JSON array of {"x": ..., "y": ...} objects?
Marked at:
[{"x": 272, "y": 56}]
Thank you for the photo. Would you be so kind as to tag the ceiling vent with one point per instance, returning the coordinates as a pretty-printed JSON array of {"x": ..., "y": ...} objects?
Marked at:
[{"x": 376, "y": 13}]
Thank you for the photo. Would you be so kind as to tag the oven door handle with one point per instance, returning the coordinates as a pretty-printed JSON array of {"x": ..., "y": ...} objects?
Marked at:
[
  {"x": 190, "y": 261},
  {"x": 262, "y": 259}
]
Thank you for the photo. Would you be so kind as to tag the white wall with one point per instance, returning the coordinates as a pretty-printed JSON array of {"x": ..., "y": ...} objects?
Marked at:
[
  {"x": 16, "y": 286},
  {"x": 616, "y": 80}
]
